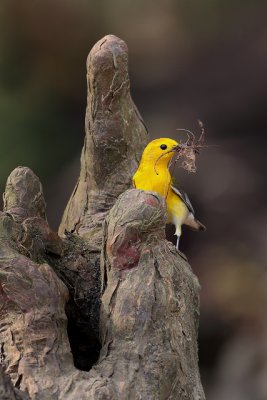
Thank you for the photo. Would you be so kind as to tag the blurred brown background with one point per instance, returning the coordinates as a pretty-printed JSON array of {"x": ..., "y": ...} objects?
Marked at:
[{"x": 188, "y": 60}]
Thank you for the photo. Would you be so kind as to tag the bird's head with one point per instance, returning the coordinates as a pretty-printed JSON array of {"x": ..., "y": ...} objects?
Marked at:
[{"x": 160, "y": 150}]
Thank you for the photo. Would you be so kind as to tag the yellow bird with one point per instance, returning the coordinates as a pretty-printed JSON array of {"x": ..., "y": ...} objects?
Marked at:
[{"x": 153, "y": 174}]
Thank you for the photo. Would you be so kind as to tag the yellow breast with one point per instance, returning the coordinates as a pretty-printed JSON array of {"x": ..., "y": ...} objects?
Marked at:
[
  {"x": 177, "y": 211},
  {"x": 146, "y": 178},
  {"x": 160, "y": 181}
]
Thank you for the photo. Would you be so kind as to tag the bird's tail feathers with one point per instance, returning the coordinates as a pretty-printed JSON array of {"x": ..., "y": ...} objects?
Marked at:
[
  {"x": 201, "y": 227},
  {"x": 194, "y": 224}
]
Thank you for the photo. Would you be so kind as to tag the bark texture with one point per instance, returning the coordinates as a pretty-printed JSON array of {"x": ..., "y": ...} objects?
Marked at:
[
  {"x": 115, "y": 136},
  {"x": 7, "y": 390},
  {"x": 106, "y": 309}
]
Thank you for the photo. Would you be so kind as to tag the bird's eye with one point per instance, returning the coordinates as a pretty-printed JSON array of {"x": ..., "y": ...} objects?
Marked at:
[{"x": 163, "y": 146}]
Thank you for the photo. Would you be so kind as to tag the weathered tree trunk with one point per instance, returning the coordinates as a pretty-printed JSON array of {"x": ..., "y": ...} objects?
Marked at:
[{"x": 107, "y": 309}]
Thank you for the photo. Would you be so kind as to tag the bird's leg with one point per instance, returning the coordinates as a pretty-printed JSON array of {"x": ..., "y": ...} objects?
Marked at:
[
  {"x": 177, "y": 242},
  {"x": 179, "y": 251}
]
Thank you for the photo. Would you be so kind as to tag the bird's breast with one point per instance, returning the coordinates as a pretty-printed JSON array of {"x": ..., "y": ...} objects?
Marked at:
[
  {"x": 176, "y": 208},
  {"x": 158, "y": 181}
]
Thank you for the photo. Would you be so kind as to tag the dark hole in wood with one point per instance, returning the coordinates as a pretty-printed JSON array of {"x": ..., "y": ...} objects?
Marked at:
[{"x": 84, "y": 342}]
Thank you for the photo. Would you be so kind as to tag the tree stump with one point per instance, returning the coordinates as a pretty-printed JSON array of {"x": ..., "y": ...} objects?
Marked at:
[{"x": 106, "y": 308}]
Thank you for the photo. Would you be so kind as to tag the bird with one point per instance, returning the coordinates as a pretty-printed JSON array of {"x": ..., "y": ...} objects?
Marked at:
[{"x": 153, "y": 175}]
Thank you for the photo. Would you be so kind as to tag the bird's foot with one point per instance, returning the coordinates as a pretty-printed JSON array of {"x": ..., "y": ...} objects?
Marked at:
[{"x": 182, "y": 254}]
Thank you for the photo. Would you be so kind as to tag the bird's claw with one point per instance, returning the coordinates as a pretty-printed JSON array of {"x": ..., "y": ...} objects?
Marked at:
[{"x": 182, "y": 254}]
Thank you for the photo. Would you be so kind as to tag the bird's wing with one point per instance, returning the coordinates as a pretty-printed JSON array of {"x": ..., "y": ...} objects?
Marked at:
[{"x": 183, "y": 196}]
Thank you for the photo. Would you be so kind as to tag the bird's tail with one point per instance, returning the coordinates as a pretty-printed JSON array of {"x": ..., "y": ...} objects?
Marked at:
[
  {"x": 194, "y": 224},
  {"x": 200, "y": 226}
]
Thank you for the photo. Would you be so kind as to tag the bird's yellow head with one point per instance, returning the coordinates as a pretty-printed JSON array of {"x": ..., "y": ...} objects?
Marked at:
[{"x": 160, "y": 150}]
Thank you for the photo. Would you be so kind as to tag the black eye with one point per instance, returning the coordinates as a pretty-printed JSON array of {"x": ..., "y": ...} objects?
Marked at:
[{"x": 163, "y": 146}]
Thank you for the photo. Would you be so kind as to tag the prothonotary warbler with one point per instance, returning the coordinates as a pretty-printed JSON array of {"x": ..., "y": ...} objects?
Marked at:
[{"x": 153, "y": 174}]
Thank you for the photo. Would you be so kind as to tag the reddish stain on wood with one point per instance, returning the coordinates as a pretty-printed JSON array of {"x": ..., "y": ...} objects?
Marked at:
[
  {"x": 126, "y": 253},
  {"x": 152, "y": 201}
]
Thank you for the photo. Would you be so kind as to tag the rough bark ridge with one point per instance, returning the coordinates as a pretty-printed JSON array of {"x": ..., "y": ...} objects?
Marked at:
[
  {"x": 110, "y": 276},
  {"x": 114, "y": 141}
]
